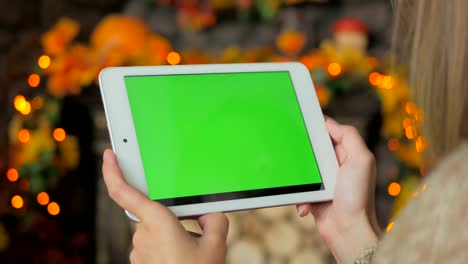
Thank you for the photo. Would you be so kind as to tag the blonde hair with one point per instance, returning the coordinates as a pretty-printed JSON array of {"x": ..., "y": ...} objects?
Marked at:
[{"x": 431, "y": 38}]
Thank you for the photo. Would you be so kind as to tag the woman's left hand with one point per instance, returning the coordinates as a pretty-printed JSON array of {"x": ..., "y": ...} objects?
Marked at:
[{"x": 159, "y": 236}]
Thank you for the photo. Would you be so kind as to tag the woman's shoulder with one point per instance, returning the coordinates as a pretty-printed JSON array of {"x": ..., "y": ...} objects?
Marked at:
[{"x": 432, "y": 226}]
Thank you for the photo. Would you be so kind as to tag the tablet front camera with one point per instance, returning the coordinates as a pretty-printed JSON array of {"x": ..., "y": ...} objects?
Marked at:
[{"x": 125, "y": 140}]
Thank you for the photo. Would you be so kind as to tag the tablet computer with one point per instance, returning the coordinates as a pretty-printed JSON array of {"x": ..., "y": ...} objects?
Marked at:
[{"x": 220, "y": 137}]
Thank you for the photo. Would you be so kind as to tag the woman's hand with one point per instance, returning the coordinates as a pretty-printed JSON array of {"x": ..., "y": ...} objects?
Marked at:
[
  {"x": 348, "y": 223},
  {"x": 159, "y": 237}
]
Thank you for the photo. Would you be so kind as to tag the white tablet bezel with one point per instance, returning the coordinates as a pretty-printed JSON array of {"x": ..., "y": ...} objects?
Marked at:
[{"x": 120, "y": 125}]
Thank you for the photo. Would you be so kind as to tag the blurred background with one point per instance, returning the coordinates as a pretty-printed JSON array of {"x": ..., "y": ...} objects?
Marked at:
[{"x": 53, "y": 205}]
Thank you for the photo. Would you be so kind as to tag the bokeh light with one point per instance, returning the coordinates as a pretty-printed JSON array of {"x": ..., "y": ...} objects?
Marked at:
[
  {"x": 34, "y": 80},
  {"x": 59, "y": 134},
  {"x": 43, "y": 198},
  {"x": 410, "y": 108},
  {"x": 24, "y": 136},
  {"x": 53, "y": 208},
  {"x": 43, "y": 62},
  {"x": 378, "y": 80},
  {"x": 389, "y": 227},
  {"x": 17, "y": 202},
  {"x": 19, "y": 102},
  {"x": 334, "y": 69},
  {"x": 410, "y": 132},
  {"x": 394, "y": 189},
  {"x": 173, "y": 58},
  {"x": 407, "y": 122},
  {"x": 420, "y": 143},
  {"x": 373, "y": 78},
  {"x": 22, "y": 105},
  {"x": 26, "y": 109},
  {"x": 12, "y": 175}
]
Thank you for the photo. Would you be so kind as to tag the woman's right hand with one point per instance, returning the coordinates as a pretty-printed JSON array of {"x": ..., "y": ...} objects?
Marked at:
[
  {"x": 348, "y": 223},
  {"x": 159, "y": 237}
]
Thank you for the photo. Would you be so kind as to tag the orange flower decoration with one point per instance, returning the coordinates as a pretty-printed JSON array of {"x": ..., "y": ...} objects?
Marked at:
[
  {"x": 68, "y": 72},
  {"x": 157, "y": 49},
  {"x": 291, "y": 42},
  {"x": 312, "y": 61},
  {"x": 56, "y": 40}
]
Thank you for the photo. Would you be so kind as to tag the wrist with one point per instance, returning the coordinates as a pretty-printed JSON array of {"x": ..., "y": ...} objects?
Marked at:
[{"x": 349, "y": 244}]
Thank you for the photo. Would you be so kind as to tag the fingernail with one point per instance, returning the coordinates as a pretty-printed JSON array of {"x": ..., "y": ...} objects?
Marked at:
[
  {"x": 108, "y": 157},
  {"x": 301, "y": 211}
]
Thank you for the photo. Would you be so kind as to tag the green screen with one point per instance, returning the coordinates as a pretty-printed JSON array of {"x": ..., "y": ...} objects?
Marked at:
[{"x": 203, "y": 134}]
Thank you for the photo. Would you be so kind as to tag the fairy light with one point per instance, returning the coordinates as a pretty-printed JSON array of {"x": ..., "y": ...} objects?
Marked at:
[
  {"x": 12, "y": 175},
  {"x": 373, "y": 77},
  {"x": 19, "y": 102},
  {"x": 410, "y": 107},
  {"x": 59, "y": 134},
  {"x": 24, "y": 136},
  {"x": 26, "y": 109},
  {"x": 334, "y": 69},
  {"x": 394, "y": 189},
  {"x": 420, "y": 144},
  {"x": 378, "y": 80},
  {"x": 390, "y": 226},
  {"x": 43, "y": 198},
  {"x": 22, "y": 105},
  {"x": 173, "y": 58},
  {"x": 53, "y": 208},
  {"x": 406, "y": 123},
  {"x": 410, "y": 132},
  {"x": 424, "y": 187},
  {"x": 43, "y": 62},
  {"x": 17, "y": 202},
  {"x": 34, "y": 80}
]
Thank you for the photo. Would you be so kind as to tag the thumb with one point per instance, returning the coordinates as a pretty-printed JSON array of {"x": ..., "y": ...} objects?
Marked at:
[
  {"x": 215, "y": 228},
  {"x": 128, "y": 197}
]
